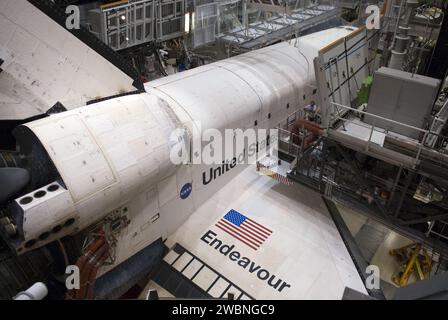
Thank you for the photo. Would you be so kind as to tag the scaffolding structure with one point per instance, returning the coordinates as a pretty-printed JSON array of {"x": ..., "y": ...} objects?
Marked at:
[
  {"x": 170, "y": 19},
  {"x": 264, "y": 23},
  {"x": 205, "y": 22},
  {"x": 125, "y": 24},
  {"x": 396, "y": 180},
  {"x": 408, "y": 196},
  {"x": 252, "y": 24},
  {"x": 410, "y": 31}
]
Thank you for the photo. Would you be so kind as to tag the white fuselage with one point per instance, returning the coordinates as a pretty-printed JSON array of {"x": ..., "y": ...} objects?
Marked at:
[{"x": 114, "y": 156}]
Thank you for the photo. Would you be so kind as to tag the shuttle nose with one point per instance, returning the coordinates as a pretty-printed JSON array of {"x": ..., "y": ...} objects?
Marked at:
[{"x": 12, "y": 181}]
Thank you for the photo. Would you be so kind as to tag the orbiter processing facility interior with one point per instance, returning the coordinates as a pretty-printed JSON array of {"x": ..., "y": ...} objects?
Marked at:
[{"x": 223, "y": 150}]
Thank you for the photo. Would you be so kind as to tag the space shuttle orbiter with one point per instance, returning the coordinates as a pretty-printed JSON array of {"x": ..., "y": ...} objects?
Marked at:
[{"x": 107, "y": 165}]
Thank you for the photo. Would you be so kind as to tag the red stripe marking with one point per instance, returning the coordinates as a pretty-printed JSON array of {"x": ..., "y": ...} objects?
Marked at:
[
  {"x": 261, "y": 234},
  {"x": 259, "y": 227},
  {"x": 250, "y": 236},
  {"x": 242, "y": 234},
  {"x": 233, "y": 235},
  {"x": 274, "y": 175},
  {"x": 235, "y": 232},
  {"x": 252, "y": 232}
]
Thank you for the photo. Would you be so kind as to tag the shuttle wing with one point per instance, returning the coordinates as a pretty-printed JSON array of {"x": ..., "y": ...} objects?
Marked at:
[
  {"x": 259, "y": 239},
  {"x": 42, "y": 63}
]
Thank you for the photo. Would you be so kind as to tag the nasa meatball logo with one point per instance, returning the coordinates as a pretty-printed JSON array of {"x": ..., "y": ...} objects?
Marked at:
[{"x": 186, "y": 191}]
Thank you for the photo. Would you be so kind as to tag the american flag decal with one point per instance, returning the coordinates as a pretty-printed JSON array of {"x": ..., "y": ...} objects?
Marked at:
[
  {"x": 274, "y": 175},
  {"x": 244, "y": 229}
]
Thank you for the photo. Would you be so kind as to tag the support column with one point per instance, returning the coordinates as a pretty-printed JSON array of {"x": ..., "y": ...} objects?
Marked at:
[{"x": 402, "y": 38}]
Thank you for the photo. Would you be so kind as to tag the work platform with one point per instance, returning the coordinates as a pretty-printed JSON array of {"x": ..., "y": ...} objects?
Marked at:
[
  {"x": 391, "y": 178},
  {"x": 262, "y": 33}
]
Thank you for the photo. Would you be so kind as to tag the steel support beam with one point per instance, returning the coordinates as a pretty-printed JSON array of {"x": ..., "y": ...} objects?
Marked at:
[
  {"x": 269, "y": 7},
  {"x": 438, "y": 217},
  {"x": 352, "y": 247},
  {"x": 357, "y": 170},
  {"x": 409, "y": 179}
]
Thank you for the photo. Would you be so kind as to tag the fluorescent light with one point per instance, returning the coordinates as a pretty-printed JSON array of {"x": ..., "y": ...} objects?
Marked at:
[{"x": 187, "y": 22}]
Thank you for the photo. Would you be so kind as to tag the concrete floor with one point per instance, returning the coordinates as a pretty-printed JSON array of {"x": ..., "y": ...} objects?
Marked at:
[{"x": 375, "y": 241}]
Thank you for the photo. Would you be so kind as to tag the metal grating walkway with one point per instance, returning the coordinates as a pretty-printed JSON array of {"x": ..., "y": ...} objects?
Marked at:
[{"x": 262, "y": 33}]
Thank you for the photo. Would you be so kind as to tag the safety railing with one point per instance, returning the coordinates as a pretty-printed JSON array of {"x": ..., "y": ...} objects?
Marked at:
[
  {"x": 438, "y": 228},
  {"x": 291, "y": 143},
  {"x": 438, "y": 124},
  {"x": 261, "y": 32},
  {"x": 428, "y": 140}
]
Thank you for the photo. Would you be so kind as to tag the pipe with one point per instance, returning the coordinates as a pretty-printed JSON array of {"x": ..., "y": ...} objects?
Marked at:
[
  {"x": 386, "y": 7},
  {"x": 92, "y": 276},
  {"x": 401, "y": 38},
  {"x": 85, "y": 271},
  {"x": 83, "y": 261},
  {"x": 37, "y": 291},
  {"x": 310, "y": 126},
  {"x": 412, "y": 148},
  {"x": 374, "y": 150}
]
